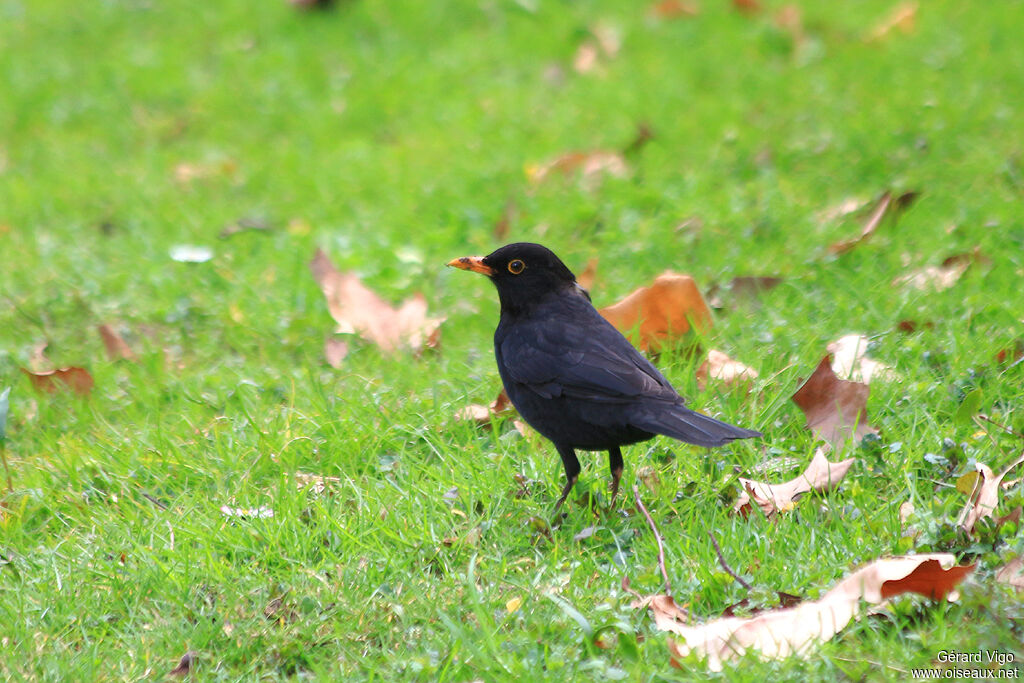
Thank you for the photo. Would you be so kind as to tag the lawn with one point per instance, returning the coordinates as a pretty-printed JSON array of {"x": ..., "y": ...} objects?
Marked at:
[{"x": 396, "y": 136}]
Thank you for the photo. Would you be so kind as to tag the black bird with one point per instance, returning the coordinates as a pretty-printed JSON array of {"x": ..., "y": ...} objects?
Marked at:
[{"x": 571, "y": 375}]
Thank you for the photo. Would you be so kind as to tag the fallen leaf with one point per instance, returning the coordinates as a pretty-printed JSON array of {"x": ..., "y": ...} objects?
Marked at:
[
  {"x": 820, "y": 475},
  {"x": 718, "y": 366},
  {"x": 741, "y": 289},
  {"x": 1012, "y": 573},
  {"x": 781, "y": 633},
  {"x": 590, "y": 166},
  {"x": 191, "y": 253},
  {"x": 886, "y": 205},
  {"x": 984, "y": 496},
  {"x": 662, "y": 312},
  {"x": 668, "y": 615},
  {"x": 911, "y": 326},
  {"x": 849, "y": 360},
  {"x": 335, "y": 351},
  {"x": 747, "y": 6},
  {"x": 117, "y": 348},
  {"x": 1011, "y": 354},
  {"x": 73, "y": 378},
  {"x": 513, "y": 604},
  {"x": 674, "y": 9},
  {"x": 944, "y": 275},
  {"x": 903, "y": 18},
  {"x": 184, "y": 664},
  {"x": 482, "y": 415},
  {"x": 835, "y": 408},
  {"x": 584, "y": 534},
  {"x": 358, "y": 310}
]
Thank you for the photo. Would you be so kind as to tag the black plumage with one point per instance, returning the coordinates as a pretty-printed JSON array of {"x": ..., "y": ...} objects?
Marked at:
[{"x": 571, "y": 375}]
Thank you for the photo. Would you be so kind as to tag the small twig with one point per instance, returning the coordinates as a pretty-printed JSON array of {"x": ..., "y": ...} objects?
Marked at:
[
  {"x": 657, "y": 537},
  {"x": 154, "y": 501},
  {"x": 1006, "y": 429},
  {"x": 721, "y": 561}
]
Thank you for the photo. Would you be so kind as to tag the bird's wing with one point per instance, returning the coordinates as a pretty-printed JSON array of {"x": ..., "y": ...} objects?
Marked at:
[{"x": 581, "y": 356}]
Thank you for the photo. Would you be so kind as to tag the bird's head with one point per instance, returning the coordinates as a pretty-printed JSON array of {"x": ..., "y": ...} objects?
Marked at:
[{"x": 523, "y": 273}]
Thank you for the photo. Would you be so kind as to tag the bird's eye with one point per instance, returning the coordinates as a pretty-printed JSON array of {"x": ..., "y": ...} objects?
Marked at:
[{"x": 516, "y": 266}]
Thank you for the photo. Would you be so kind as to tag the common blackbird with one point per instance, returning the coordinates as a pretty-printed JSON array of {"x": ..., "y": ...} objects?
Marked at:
[{"x": 571, "y": 375}]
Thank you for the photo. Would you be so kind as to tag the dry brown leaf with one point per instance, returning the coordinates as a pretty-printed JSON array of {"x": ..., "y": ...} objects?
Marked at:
[
  {"x": 335, "y": 351},
  {"x": 718, "y": 366},
  {"x": 944, "y": 275},
  {"x": 1012, "y": 573},
  {"x": 662, "y": 312},
  {"x": 73, "y": 378},
  {"x": 835, "y": 408},
  {"x": 668, "y": 616},
  {"x": 589, "y": 274},
  {"x": 985, "y": 495},
  {"x": 747, "y": 6},
  {"x": 482, "y": 415},
  {"x": 849, "y": 360},
  {"x": 820, "y": 475},
  {"x": 358, "y": 310},
  {"x": 184, "y": 664},
  {"x": 674, "y": 9},
  {"x": 117, "y": 348},
  {"x": 590, "y": 166},
  {"x": 781, "y": 633},
  {"x": 886, "y": 205},
  {"x": 903, "y": 18},
  {"x": 790, "y": 19}
]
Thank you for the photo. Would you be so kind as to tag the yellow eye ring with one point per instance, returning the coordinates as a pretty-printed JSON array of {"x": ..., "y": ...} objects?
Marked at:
[{"x": 516, "y": 266}]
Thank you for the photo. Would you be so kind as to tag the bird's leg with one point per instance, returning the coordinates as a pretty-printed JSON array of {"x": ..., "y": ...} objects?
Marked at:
[
  {"x": 572, "y": 472},
  {"x": 615, "y": 463}
]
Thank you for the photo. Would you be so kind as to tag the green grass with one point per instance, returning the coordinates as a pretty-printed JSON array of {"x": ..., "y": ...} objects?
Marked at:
[{"x": 393, "y": 135}]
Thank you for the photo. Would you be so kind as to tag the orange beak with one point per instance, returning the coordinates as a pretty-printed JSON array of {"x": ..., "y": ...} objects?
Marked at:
[{"x": 473, "y": 263}]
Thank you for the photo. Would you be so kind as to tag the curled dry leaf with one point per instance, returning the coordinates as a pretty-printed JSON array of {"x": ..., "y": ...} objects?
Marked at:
[
  {"x": 887, "y": 205},
  {"x": 903, "y": 18},
  {"x": 720, "y": 367},
  {"x": 358, "y": 310},
  {"x": 781, "y": 633},
  {"x": 985, "y": 495},
  {"x": 184, "y": 664},
  {"x": 590, "y": 166},
  {"x": 662, "y": 312},
  {"x": 75, "y": 379},
  {"x": 117, "y": 348},
  {"x": 1012, "y": 573},
  {"x": 820, "y": 475},
  {"x": 849, "y": 360},
  {"x": 836, "y": 409},
  {"x": 944, "y": 275},
  {"x": 482, "y": 415}
]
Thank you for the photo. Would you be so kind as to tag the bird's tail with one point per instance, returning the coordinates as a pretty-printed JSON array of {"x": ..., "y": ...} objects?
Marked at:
[{"x": 692, "y": 427}]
